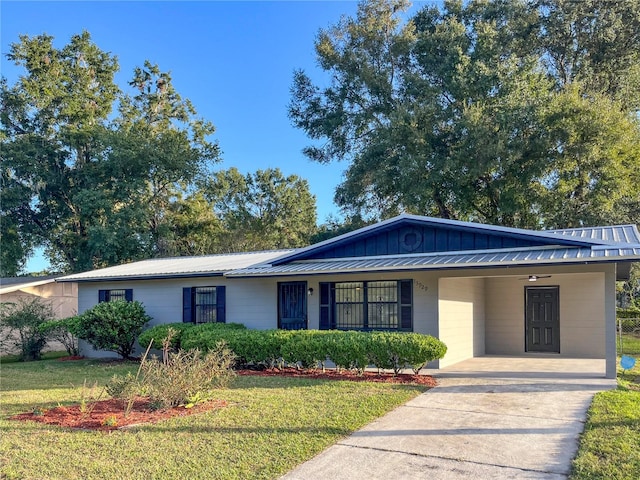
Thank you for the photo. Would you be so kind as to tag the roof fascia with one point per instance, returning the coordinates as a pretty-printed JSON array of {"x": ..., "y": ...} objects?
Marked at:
[
  {"x": 542, "y": 263},
  {"x": 140, "y": 277}
]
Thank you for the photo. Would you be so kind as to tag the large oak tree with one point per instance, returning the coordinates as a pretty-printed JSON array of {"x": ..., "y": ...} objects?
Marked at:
[{"x": 508, "y": 112}]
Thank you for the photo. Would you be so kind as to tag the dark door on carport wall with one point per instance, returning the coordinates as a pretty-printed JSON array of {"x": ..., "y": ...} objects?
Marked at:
[{"x": 542, "y": 319}]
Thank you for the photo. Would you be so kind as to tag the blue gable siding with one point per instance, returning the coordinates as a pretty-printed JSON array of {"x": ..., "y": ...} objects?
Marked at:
[{"x": 408, "y": 238}]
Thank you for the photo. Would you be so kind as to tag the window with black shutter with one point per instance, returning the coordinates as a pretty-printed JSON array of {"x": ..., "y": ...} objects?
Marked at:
[
  {"x": 115, "y": 294},
  {"x": 204, "y": 304}
]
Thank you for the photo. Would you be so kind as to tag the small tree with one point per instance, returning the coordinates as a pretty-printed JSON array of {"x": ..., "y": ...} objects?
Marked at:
[
  {"x": 63, "y": 331},
  {"x": 113, "y": 326},
  {"x": 21, "y": 326}
]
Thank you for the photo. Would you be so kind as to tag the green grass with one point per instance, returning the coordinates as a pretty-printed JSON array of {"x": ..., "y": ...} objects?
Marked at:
[
  {"x": 4, "y": 359},
  {"x": 610, "y": 444},
  {"x": 271, "y": 425},
  {"x": 630, "y": 345}
]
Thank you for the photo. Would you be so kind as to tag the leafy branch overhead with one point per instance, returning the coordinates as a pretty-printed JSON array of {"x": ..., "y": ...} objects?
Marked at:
[{"x": 514, "y": 113}]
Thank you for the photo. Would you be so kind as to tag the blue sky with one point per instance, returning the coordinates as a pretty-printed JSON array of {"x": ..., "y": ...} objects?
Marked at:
[{"x": 234, "y": 60}]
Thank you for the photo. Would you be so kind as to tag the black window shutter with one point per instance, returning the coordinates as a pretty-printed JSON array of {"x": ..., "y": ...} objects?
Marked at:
[
  {"x": 103, "y": 296},
  {"x": 187, "y": 307},
  {"x": 221, "y": 304},
  {"x": 325, "y": 306},
  {"x": 406, "y": 304},
  {"x": 128, "y": 295}
]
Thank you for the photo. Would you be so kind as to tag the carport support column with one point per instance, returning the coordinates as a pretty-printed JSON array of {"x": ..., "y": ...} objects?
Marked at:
[{"x": 610, "y": 320}]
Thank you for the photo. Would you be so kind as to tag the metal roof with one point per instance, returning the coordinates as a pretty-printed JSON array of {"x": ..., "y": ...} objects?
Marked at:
[
  {"x": 590, "y": 245},
  {"x": 616, "y": 234},
  {"x": 469, "y": 259},
  {"x": 177, "y": 267}
]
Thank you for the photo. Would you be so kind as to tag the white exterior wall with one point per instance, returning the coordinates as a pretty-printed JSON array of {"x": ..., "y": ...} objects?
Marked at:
[
  {"x": 461, "y": 306},
  {"x": 254, "y": 301},
  {"x": 473, "y": 311}
]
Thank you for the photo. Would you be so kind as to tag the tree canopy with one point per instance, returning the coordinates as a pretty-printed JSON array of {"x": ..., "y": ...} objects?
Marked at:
[
  {"x": 100, "y": 175},
  {"x": 507, "y": 112},
  {"x": 262, "y": 211}
]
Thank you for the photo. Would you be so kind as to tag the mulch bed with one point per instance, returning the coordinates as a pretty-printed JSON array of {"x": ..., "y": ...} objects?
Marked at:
[
  {"x": 108, "y": 415},
  {"x": 97, "y": 415},
  {"x": 331, "y": 374}
]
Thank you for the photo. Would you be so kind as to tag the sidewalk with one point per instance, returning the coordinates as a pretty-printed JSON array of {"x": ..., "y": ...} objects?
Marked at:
[{"x": 489, "y": 417}]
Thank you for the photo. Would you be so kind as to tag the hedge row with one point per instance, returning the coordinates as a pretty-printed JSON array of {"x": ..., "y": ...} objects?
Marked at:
[
  {"x": 632, "y": 312},
  {"x": 307, "y": 348},
  {"x": 158, "y": 333}
]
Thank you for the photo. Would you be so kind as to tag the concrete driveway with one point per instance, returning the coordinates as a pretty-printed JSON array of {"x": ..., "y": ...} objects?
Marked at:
[{"x": 489, "y": 417}]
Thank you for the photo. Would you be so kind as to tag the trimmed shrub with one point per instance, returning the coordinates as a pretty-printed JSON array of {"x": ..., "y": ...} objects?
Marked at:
[
  {"x": 113, "y": 326},
  {"x": 380, "y": 351},
  {"x": 310, "y": 348},
  {"x": 305, "y": 347},
  {"x": 348, "y": 349},
  {"x": 22, "y": 323},
  {"x": 159, "y": 332},
  {"x": 416, "y": 350},
  {"x": 396, "y": 351}
]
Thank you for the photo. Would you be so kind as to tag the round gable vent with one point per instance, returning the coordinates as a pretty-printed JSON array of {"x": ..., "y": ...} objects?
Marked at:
[{"x": 410, "y": 239}]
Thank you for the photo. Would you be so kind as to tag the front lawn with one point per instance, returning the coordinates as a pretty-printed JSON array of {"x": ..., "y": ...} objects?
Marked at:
[
  {"x": 271, "y": 425},
  {"x": 610, "y": 444}
]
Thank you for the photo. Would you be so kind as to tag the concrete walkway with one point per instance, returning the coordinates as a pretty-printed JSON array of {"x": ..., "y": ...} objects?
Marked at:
[{"x": 489, "y": 417}]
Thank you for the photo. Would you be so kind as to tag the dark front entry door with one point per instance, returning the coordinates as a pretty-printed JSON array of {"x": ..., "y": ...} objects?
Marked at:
[
  {"x": 542, "y": 319},
  {"x": 292, "y": 305}
]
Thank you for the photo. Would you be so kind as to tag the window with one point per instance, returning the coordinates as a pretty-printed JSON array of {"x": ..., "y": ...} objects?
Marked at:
[
  {"x": 203, "y": 304},
  {"x": 378, "y": 305},
  {"x": 117, "y": 294}
]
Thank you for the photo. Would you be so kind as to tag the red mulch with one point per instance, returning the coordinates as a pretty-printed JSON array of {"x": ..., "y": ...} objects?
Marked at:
[
  {"x": 97, "y": 412},
  {"x": 331, "y": 374},
  {"x": 70, "y": 358}
]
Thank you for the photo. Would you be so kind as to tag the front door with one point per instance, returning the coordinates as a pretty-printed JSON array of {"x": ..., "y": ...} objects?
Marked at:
[
  {"x": 292, "y": 305},
  {"x": 542, "y": 319}
]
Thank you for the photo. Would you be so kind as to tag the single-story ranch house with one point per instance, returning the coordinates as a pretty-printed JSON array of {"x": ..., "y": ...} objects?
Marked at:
[{"x": 481, "y": 289}]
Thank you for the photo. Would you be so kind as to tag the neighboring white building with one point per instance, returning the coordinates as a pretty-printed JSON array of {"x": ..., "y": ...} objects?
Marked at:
[{"x": 481, "y": 289}]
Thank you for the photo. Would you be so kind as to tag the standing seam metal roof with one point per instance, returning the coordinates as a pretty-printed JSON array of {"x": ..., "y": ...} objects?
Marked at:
[
  {"x": 178, "y": 266},
  {"x": 510, "y": 257},
  {"x": 620, "y": 243}
]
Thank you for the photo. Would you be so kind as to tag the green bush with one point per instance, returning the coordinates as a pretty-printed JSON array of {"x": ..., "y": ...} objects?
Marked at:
[
  {"x": 113, "y": 326},
  {"x": 310, "y": 348},
  {"x": 159, "y": 332},
  {"x": 348, "y": 349},
  {"x": 63, "y": 331},
  {"x": 306, "y": 347},
  {"x": 633, "y": 312},
  {"x": 380, "y": 352},
  {"x": 416, "y": 350},
  {"x": 22, "y": 323}
]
